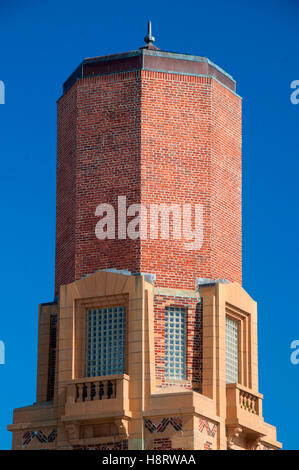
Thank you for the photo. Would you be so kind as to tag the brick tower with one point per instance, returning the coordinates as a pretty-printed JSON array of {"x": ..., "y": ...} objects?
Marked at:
[{"x": 151, "y": 341}]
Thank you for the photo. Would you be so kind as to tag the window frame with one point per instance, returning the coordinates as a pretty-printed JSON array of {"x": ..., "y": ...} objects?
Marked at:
[
  {"x": 79, "y": 322},
  {"x": 245, "y": 338},
  {"x": 99, "y": 348}
]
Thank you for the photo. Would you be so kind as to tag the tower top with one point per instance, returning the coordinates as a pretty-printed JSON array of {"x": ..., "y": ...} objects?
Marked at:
[
  {"x": 150, "y": 57},
  {"x": 149, "y": 38}
]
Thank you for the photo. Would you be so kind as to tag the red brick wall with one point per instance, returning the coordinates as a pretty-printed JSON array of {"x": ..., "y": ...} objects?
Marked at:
[
  {"x": 156, "y": 138},
  {"x": 162, "y": 444},
  {"x": 191, "y": 153},
  {"x": 121, "y": 445},
  {"x": 226, "y": 223},
  {"x": 66, "y": 188},
  {"x": 106, "y": 156}
]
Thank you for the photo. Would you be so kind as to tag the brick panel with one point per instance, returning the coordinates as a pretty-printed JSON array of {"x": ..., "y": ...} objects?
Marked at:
[{"x": 193, "y": 346}]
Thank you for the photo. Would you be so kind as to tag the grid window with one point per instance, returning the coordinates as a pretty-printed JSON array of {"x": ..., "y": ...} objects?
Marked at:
[
  {"x": 175, "y": 343},
  {"x": 105, "y": 341},
  {"x": 232, "y": 351}
]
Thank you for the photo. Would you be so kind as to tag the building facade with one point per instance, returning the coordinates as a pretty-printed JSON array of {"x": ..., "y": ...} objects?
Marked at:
[{"x": 151, "y": 341}]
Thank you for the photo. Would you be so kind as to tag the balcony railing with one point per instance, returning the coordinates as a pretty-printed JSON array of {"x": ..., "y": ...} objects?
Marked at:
[
  {"x": 95, "y": 390},
  {"x": 97, "y": 396},
  {"x": 249, "y": 402},
  {"x": 244, "y": 406}
]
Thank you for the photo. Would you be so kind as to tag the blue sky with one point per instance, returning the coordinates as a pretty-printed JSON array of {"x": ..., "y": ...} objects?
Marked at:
[{"x": 255, "y": 41}]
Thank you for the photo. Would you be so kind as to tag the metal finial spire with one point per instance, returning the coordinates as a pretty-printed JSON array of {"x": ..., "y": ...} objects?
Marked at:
[{"x": 149, "y": 39}]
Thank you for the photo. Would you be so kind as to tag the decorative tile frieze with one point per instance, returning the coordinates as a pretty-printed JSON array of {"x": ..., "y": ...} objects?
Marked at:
[
  {"x": 209, "y": 428},
  {"x": 177, "y": 424},
  {"x": 40, "y": 436}
]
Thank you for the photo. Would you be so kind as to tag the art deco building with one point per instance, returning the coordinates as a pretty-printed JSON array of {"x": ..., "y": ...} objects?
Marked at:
[{"x": 149, "y": 343}]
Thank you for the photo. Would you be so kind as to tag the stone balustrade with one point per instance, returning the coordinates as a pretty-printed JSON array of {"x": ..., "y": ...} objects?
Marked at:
[
  {"x": 95, "y": 390},
  {"x": 99, "y": 397},
  {"x": 248, "y": 402},
  {"x": 244, "y": 407}
]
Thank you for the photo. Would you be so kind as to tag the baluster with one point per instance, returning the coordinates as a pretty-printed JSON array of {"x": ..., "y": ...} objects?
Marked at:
[
  {"x": 245, "y": 401},
  {"x": 72, "y": 393},
  {"x": 92, "y": 391},
  {"x": 102, "y": 391},
  {"x": 88, "y": 391},
  {"x": 97, "y": 391},
  {"x": 80, "y": 392},
  {"x": 250, "y": 403},
  {"x": 84, "y": 392},
  {"x": 255, "y": 405},
  {"x": 109, "y": 389},
  {"x": 242, "y": 399},
  {"x": 105, "y": 386}
]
